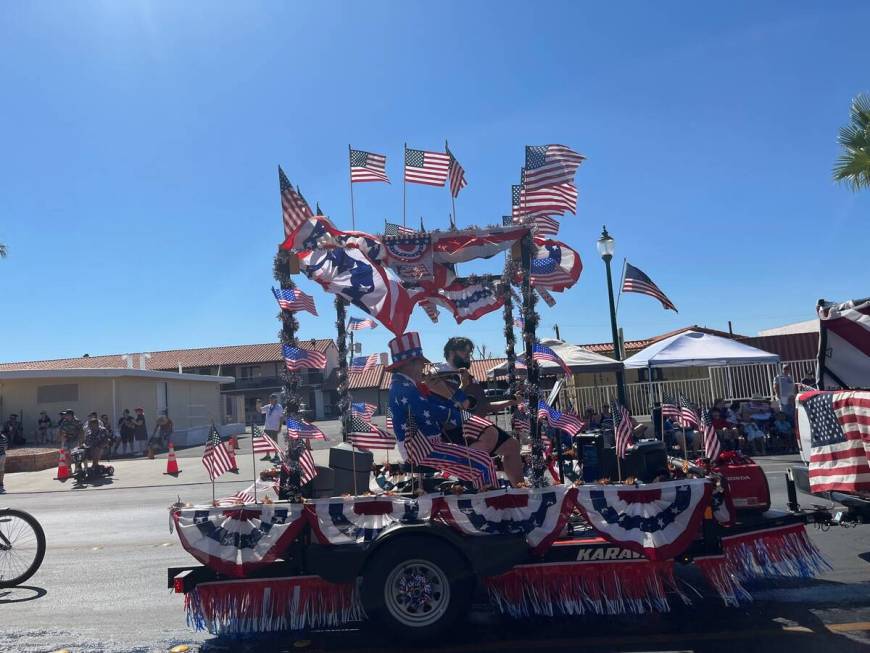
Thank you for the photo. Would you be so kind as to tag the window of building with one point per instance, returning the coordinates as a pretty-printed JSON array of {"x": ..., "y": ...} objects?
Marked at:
[
  {"x": 49, "y": 394},
  {"x": 250, "y": 371}
]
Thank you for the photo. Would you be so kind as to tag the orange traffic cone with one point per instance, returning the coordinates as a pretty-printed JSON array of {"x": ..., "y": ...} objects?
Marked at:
[
  {"x": 172, "y": 463},
  {"x": 233, "y": 443},
  {"x": 235, "y": 467},
  {"x": 62, "y": 466},
  {"x": 67, "y": 458}
]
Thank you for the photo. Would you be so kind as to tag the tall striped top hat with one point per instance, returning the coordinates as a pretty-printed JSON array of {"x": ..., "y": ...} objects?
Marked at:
[{"x": 405, "y": 348}]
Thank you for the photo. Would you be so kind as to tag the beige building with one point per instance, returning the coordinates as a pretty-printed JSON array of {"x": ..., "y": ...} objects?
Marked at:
[{"x": 192, "y": 400}]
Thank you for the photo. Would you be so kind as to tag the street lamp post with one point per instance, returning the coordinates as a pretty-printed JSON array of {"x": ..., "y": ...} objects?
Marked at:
[{"x": 606, "y": 246}]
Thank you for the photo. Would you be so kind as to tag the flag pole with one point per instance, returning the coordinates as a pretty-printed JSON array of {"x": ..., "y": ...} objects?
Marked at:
[
  {"x": 350, "y": 175},
  {"x": 404, "y": 184},
  {"x": 621, "y": 283},
  {"x": 253, "y": 459},
  {"x": 211, "y": 475},
  {"x": 450, "y": 190}
]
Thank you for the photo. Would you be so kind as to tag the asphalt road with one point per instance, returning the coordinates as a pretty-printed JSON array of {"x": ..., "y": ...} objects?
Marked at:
[{"x": 102, "y": 587}]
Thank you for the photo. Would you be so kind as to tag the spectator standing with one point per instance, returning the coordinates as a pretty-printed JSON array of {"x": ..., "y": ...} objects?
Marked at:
[
  {"x": 12, "y": 431},
  {"x": 784, "y": 390},
  {"x": 274, "y": 417},
  {"x": 43, "y": 424},
  {"x": 163, "y": 429},
  {"x": 111, "y": 447},
  {"x": 3, "y": 445},
  {"x": 140, "y": 432},
  {"x": 126, "y": 429},
  {"x": 70, "y": 429}
]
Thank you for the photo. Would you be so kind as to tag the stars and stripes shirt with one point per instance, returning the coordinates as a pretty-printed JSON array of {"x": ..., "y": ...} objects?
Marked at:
[
  {"x": 367, "y": 166},
  {"x": 360, "y": 323},
  {"x": 549, "y": 165},
  {"x": 293, "y": 299},
  {"x": 712, "y": 448},
  {"x": 429, "y": 416},
  {"x": 430, "y": 168},
  {"x": 216, "y": 459},
  {"x": 636, "y": 281},
  {"x": 294, "y": 208},
  {"x": 472, "y": 425},
  {"x": 297, "y": 359},
  {"x": 839, "y": 440},
  {"x": 456, "y": 174},
  {"x": 299, "y": 428}
]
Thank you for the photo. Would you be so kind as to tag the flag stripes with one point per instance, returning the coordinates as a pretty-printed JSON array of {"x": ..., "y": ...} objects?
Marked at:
[
  {"x": 637, "y": 281},
  {"x": 216, "y": 458},
  {"x": 367, "y": 166},
  {"x": 422, "y": 167},
  {"x": 293, "y": 299},
  {"x": 294, "y": 208}
]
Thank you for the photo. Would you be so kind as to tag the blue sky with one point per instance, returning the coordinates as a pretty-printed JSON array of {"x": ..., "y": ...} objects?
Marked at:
[{"x": 139, "y": 144}]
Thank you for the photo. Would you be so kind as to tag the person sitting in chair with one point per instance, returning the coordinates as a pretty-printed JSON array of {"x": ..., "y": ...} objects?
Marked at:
[{"x": 435, "y": 406}]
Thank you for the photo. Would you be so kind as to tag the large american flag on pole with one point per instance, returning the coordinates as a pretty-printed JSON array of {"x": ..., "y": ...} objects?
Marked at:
[
  {"x": 712, "y": 448},
  {"x": 360, "y": 323},
  {"x": 549, "y": 165},
  {"x": 456, "y": 174},
  {"x": 430, "y": 168},
  {"x": 622, "y": 428},
  {"x": 393, "y": 229},
  {"x": 839, "y": 424},
  {"x": 363, "y": 363},
  {"x": 293, "y": 299},
  {"x": 298, "y": 359},
  {"x": 846, "y": 329},
  {"x": 636, "y": 281},
  {"x": 293, "y": 206},
  {"x": 216, "y": 458},
  {"x": 367, "y": 166}
]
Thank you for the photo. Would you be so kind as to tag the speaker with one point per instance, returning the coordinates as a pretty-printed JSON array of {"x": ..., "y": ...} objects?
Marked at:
[
  {"x": 344, "y": 460},
  {"x": 323, "y": 485},
  {"x": 644, "y": 461}
]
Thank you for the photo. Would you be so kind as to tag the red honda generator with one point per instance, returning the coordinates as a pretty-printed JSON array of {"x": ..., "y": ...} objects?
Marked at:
[{"x": 746, "y": 481}]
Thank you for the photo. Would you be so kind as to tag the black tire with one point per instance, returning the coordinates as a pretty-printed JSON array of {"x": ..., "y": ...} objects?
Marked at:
[
  {"x": 439, "y": 590},
  {"x": 19, "y": 527}
]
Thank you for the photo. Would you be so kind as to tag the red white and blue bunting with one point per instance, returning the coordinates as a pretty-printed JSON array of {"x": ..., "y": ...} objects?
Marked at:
[
  {"x": 537, "y": 513},
  {"x": 238, "y": 540},
  {"x": 659, "y": 521},
  {"x": 353, "y": 520}
]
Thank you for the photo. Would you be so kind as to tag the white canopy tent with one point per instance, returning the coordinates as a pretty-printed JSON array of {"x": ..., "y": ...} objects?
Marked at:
[
  {"x": 576, "y": 358},
  {"x": 698, "y": 349}
]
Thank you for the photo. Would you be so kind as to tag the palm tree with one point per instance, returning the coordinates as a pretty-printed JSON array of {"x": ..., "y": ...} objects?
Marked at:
[{"x": 853, "y": 166}]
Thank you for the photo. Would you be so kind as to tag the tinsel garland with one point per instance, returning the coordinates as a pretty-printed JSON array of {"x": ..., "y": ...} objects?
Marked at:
[
  {"x": 508, "y": 313},
  {"x": 530, "y": 325},
  {"x": 343, "y": 394},
  {"x": 291, "y": 486}
]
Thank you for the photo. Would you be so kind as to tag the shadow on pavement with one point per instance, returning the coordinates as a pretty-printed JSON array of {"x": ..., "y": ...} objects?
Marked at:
[{"x": 21, "y": 594}]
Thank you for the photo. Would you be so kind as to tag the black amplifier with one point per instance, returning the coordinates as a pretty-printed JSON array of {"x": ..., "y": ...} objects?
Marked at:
[{"x": 643, "y": 461}]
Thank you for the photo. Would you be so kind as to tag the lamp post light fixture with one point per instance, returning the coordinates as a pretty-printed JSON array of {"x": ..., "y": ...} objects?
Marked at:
[{"x": 606, "y": 245}]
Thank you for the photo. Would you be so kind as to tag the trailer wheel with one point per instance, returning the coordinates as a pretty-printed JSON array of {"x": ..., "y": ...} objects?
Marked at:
[{"x": 417, "y": 588}]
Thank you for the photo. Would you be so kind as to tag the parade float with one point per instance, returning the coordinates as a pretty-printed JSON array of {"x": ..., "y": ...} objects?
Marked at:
[{"x": 410, "y": 556}]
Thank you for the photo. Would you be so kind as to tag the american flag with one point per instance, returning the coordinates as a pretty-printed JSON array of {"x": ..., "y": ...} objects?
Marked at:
[
  {"x": 670, "y": 407},
  {"x": 548, "y": 200},
  {"x": 543, "y": 353},
  {"x": 417, "y": 445},
  {"x": 554, "y": 265},
  {"x": 472, "y": 425},
  {"x": 456, "y": 174},
  {"x": 622, "y": 428},
  {"x": 293, "y": 299},
  {"x": 297, "y": 359},
  {"x": 363, "y": 363},
  {"x": 262, "y": 443},
  {"x": 293, "y": 206},
  {"x": 549, "y": 300},
  {"x": 549, "y": 165},
  {"x": 520, "y": 423},
  {"x": 360, "y": 323},
  {"x": 216, "y": 459},
  {"x": 298, "y": 428},
  {"x": 636, "y": 281},
  {"x": 688, "y": 415},
  {"x": 430, "y": 309},
  {"x": 519, "y": 322},
  {"x": 392, "y": 229},
  {"x": 389, "y": 419},
  {"x": 711, "y": 440},
  {"x": 428, "y": 168},
  {"x": 839, "y": 440},
  {"x": 364, "y": 410},
  {"x": 365, "y": 435},
  {"x": 568, "y": 423},
  {"x": 367, "y": 166},
  {"x": 544, "y": 225}
]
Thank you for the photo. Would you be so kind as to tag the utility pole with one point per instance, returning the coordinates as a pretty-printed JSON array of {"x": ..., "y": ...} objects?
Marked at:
[{"x": 556, "y": 329}]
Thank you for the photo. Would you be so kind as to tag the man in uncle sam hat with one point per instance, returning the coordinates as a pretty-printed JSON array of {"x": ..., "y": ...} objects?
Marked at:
[{"x": 434, "y": 404}]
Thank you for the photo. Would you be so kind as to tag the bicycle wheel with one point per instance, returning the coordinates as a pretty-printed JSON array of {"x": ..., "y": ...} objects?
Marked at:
[{"x": 22, "y": 546}]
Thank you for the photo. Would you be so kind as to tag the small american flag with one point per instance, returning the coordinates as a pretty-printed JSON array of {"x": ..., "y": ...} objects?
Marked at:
[
  {"x": 711, "y": 440},
  {"x": 360, "y": 323},
  {"x": 392, "y": 229},
  {"x": 839, "y": 440},
  {"x": 568, "y": 423},
  {"x": 543, "y": 353},
  {"x": 367, "y": 166},
  {"x": 298, "y": 428},
  {"x": 262, "y": 443},
  {"x": 472, "y": 425},
  {"x": 389, "y": 419},
  {"x": 636, "y": 281},
  {"x": 428, "y": 168},
  {"x": 364, "y": 410},
  {"x": 216, "y": 458},
  {"x": 670, "y": 407},
  {"x": 549, "y": 300},
  {"x": 360, "y": 364},
  {"x": 365, "y": 435},
  {"x": 293, "y": 206},
  {"x": 297, "y": 359},
  {"x": 622, "y": 428},
  {"x": 293, "y": 299},
  {"x": 688, "y": 415},
  {"x": 519, "y": 322},
  {"x": 549, "y": 165},
  {"x": 456, "y": 174},
  {"x": 417, "y": 445},
  {"x": 520, "y": 422},
  {"x": 307, "y": 468},
  {"x": 430, "y": 309}
]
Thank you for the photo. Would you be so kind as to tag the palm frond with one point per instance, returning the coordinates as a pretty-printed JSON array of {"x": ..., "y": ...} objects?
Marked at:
[{"x": 853, "y": 164}]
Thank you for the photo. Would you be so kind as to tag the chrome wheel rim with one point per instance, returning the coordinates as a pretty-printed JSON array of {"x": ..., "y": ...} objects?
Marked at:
[{"x": 417, "y": 593}]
